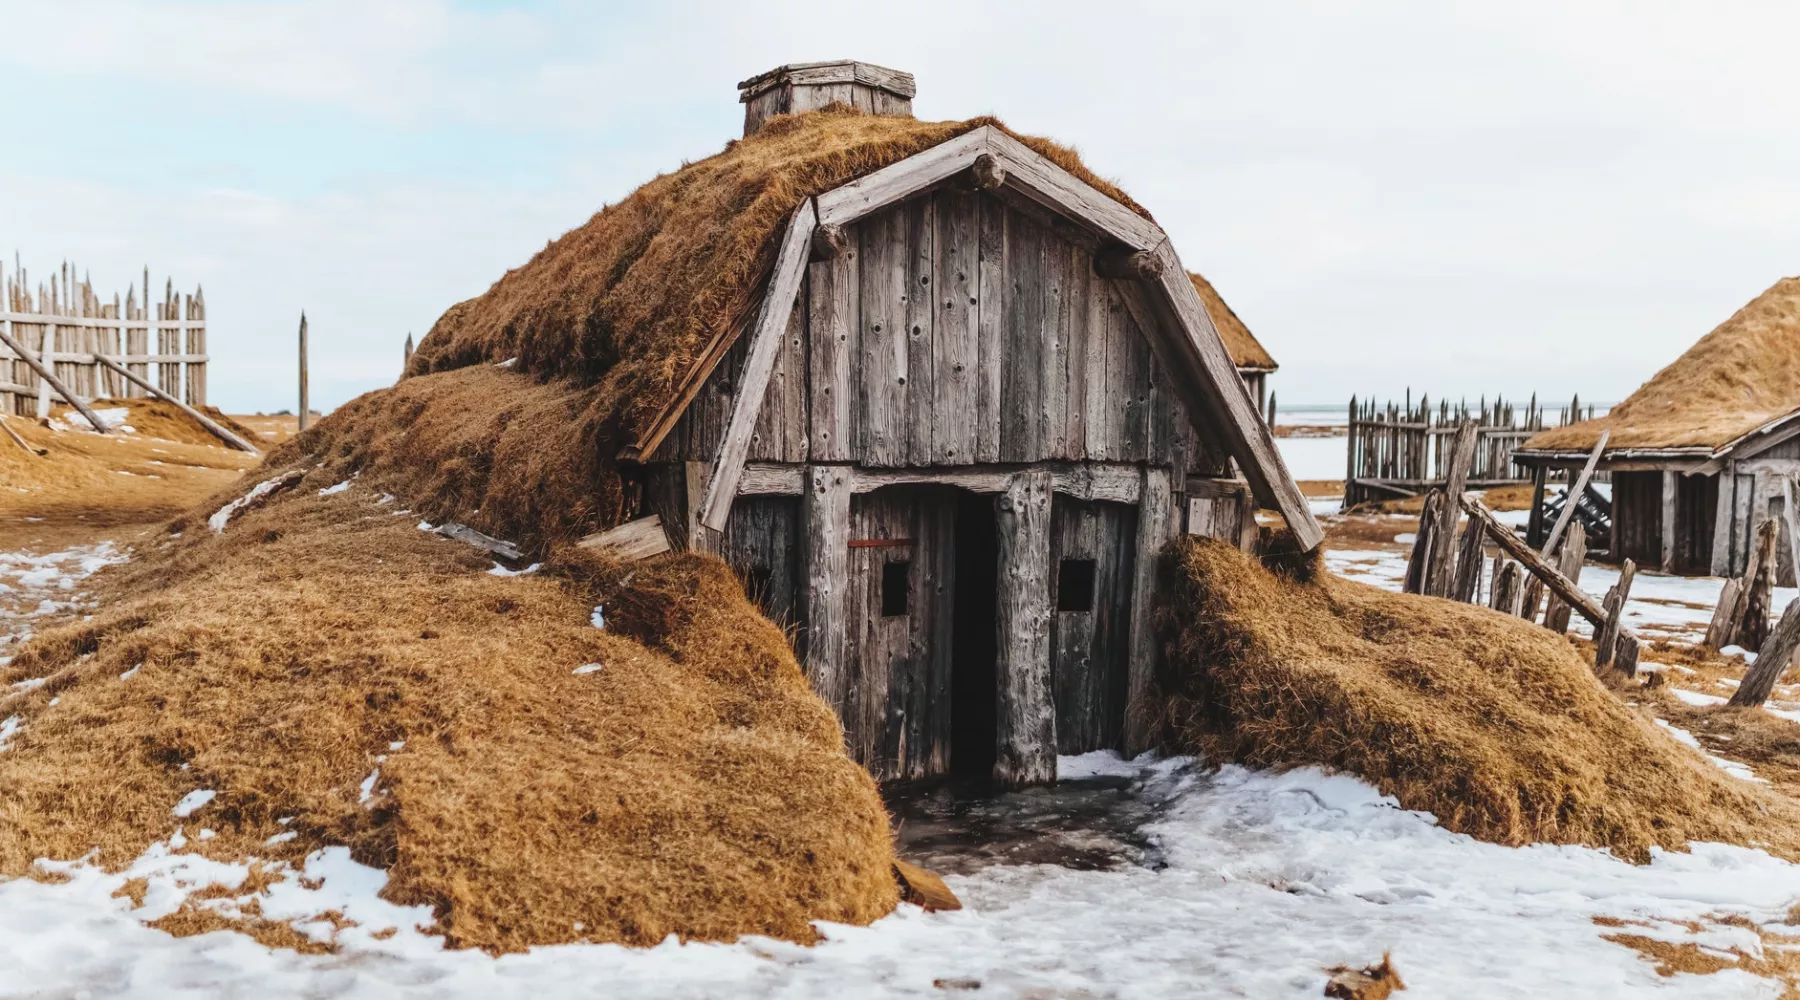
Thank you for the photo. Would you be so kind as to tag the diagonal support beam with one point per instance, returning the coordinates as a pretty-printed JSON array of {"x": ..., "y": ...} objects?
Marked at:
[
  {"x": 759, "y": 365},
  {"x": 50, "y": 379}
]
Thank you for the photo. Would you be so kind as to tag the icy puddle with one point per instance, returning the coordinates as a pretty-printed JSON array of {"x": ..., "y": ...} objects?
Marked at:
[{"x": 1260, "y": 881}]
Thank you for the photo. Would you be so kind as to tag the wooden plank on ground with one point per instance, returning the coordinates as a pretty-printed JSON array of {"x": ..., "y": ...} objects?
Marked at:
[
  {"x": 631, "y": 541},
  {"x": 202, "y": 419}
]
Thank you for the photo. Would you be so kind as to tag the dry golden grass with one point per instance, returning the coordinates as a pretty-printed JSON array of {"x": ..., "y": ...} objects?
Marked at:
[
  {"x": 1496, "y": 726},
  {"x": 1743, "y": 374},
  {"x": 1246, "y": 351},
  {"x": 1778, "y": 958},
  {"x": 693, "y": 785},
  {"x": 495, "y": 449},
  {"x": 101, "y": 480}
]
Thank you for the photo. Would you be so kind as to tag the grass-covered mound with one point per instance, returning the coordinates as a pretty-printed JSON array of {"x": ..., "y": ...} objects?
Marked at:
[
  {"x": 1495, "y": 725},
  {"x": 691, "y": 785}
]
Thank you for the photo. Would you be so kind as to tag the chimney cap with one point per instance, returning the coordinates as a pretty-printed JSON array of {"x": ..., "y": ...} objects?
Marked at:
[{"x": 893, "y": 81}]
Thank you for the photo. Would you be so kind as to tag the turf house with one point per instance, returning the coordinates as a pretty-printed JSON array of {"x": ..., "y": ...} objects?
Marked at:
[
  {"x": 940, "y": 396},
  {"x": 1702, "y": 452}
]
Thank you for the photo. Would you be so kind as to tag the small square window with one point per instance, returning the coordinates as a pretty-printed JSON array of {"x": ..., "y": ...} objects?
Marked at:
[
  {"x": 896, "y": 579},
  {"x": 1075, "y": 585}
]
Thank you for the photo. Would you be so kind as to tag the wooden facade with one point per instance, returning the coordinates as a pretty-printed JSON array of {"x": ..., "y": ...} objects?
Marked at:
[
  {"x": 1694, "y": 511},
  {"x": 949, "y": 449}
]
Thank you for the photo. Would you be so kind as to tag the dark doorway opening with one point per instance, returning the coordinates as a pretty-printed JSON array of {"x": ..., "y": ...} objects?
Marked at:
[{"x": 973, "y": 678}]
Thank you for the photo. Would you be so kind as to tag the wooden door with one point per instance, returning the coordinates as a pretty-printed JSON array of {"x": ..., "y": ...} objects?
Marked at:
[
  {"x": 1092, "y": 547},
  {"x": 899, "y": 613}
]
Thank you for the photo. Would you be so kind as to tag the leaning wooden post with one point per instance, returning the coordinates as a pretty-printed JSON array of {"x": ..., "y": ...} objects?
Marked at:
[
  {"x": 1418, "y": 564},
  {"x": 1752, "y": 628},
  {"x": 1772, "y": 661},
  {"x": 1469, "y": 563},
  {"x": 1443, "y": 546},
  {"x": 1534, "y": 530},
  {"x": 1571, "y": 500},
  {"x": 304, "y": 410},
  {"x": 1569, "y": 562},
  {"x": 1606, "y": 637},
  {"x": 1026, "y": 743},
  {"x": 1559, "y": 584},
  {"x": 1725, "y": 615},
  {"x": 1506, "y": 595},
  {"x": 50, "y": 379}
]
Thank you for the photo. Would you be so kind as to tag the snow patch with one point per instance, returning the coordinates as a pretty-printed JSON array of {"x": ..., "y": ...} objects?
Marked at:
[
  {"x": 193, "y": 802},
  {"x": 586, "y": 668}
]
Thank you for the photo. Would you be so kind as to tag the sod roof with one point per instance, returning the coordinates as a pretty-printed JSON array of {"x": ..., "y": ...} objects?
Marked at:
[
  {"x": 629, "y": 301},
  {"x": 1246, "y": 351},
  {"x": 1741, "y": 376}
]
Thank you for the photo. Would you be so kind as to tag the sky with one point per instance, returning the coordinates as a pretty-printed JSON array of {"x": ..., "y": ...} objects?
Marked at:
[{"x": 1457, "y": 198}]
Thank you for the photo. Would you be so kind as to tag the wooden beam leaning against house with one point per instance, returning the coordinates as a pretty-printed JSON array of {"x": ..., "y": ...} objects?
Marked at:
[{"x": 759, "y": 365}]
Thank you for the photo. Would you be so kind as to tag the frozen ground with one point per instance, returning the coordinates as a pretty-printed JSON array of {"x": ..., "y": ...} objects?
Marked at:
[
  {"x": 1314, "y": 457},
  {"x": 1262, "y": 881},
  {"x": 1229, "y": 883},
  {"x": 36, "y": 584}
]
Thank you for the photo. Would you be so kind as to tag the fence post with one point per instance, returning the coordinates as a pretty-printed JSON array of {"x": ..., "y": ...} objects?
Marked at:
[{"x": 303, "y": 404}]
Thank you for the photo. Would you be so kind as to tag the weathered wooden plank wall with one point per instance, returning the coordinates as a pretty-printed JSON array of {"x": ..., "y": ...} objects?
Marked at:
[{"x": 956, "y": 329}]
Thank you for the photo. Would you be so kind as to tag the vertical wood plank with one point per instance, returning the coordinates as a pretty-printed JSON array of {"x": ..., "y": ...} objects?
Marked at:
[
  {"x": 956, "y": 347},
  {"x": 831, "y": 318},
  {"x": 1155, "y": 526},
  {"x": 825, "y": 558},
  {"x": 1027, "y": 710},
  {"x": 1097, "y": 420},
  {"x": 919, "y": 217},
  {"x": 882, "y": 349},
  {"x": 990, "y": 327},
  {"x": 1671, "y": 486},
  {"x": 1078, "y": 280},
  {"x": 1022, "y": 362},
  {"x": 1722, "y": 520}
]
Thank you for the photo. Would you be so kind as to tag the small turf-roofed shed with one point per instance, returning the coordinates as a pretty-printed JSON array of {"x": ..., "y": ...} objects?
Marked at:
[
  {"x": 1699, "y": 453},
  {"x": 941, "y": 395}
]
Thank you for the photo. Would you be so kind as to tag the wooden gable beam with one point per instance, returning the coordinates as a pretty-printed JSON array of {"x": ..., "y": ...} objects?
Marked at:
[
  {"x": 1209, "y": 384},
  {"x": 759, "y": 365}
]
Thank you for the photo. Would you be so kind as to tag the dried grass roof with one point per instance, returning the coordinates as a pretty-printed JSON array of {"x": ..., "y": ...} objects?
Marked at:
[
  {"x": 1496, "y": 726},
  {"x": 1742, "y": 375},
  {"x": 630, "y": 300},
  {"x": 1246, "y": 351}
]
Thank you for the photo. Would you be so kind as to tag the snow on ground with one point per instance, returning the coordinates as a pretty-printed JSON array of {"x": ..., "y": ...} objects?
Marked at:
[
  {"x": 1265, "y": 880},
  {"x": 35, "y": 584},
  {"x": 1675, "y": 608},
  {"x": 1254, "y": 883}
]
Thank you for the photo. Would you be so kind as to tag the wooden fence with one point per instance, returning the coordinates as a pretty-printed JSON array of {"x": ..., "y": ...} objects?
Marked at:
[
  {"x": 1400, "y": 449},
  {"x": 64, "y": 323}
]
